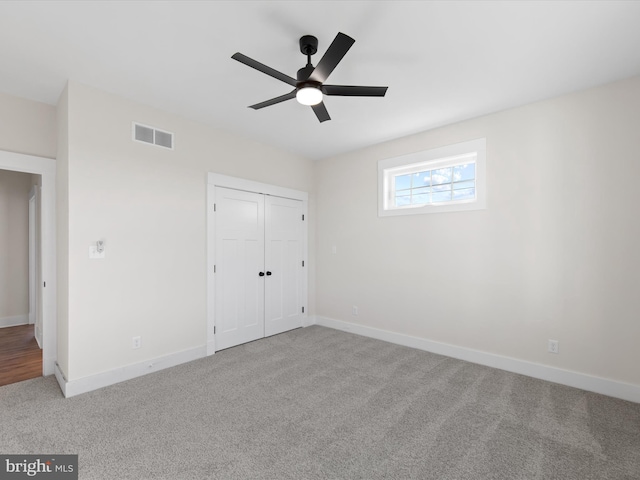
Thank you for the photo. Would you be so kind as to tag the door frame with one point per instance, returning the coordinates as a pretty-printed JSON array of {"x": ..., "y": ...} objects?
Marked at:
[
  {"x": 32, "y": 256},
  {"x": 46, "y": 168},
  {"x": 217, "y": 180}
]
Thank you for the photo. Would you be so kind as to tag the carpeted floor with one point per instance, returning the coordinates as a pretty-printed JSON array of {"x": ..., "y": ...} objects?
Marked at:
[{"x": 317, "y": 403}]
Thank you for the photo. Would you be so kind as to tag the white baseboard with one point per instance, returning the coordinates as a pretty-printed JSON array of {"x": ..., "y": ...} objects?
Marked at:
[
  {"x": 612, "y": 388},
  {"x": 111, "y": 377},
  {"x": 14, "y": 321},
  {"x": 62, "y": 382}
]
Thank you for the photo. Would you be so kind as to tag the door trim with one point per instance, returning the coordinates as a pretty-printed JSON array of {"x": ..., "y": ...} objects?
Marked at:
[
  {"x": 216, "y": 180},
  {"x": 33, "y": 198},
  {"x": 46, "y": 167}
]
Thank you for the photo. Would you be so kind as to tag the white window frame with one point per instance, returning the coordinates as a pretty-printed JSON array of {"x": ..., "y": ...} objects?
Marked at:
[{"x": 428, "y": 160}]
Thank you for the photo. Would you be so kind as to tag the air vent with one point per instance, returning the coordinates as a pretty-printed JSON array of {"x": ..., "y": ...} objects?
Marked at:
[{"x": 153, "y": 136}]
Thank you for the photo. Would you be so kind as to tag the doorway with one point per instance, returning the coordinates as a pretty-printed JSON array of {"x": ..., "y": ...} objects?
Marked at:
[
  {"x": 257, "y": 250},
  {"x": 20, "y": 354},
  {"x": 45, "y": 289}
]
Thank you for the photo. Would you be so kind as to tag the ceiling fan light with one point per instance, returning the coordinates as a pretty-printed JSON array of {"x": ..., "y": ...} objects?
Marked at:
[{"x": 309, "y": 96}]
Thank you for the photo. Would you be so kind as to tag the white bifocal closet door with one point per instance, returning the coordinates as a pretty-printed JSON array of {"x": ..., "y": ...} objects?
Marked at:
[
  {"x": 283, "y": 264},
  {"x": 239, "y": 291},
  {"x": 258, "y": 251}
]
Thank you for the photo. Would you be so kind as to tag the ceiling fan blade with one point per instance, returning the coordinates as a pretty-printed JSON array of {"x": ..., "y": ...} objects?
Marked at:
[
  {"x": 354, "y": 91},
  {"x": 321, "y": 112},
  {"x": 261, "y": 67},
  {"x": 338, "y": 48},
  {"x": 273, "y": 101}
]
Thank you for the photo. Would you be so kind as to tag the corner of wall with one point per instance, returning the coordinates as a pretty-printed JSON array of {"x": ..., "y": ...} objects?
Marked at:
[{"x": 62, "y": 235}]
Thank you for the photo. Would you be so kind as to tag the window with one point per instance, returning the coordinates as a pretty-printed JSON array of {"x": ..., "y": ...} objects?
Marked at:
[{"x": 443, "y": 179}]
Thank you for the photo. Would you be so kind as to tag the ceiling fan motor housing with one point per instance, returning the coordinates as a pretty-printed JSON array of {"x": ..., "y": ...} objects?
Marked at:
[
  {"x": 308, "y": 44},
  {"x": 304, "y": 73}
]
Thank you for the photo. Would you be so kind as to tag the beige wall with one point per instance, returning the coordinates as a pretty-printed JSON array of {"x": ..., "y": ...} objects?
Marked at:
[
  {"x": 554, "y": 256},
  {"x": 27, "y": 127},
  {"x": 14, "y": 243},
  {"x": 148, "y": 205}
]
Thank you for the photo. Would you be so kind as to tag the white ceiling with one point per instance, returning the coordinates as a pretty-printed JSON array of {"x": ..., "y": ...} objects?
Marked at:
[{"x": 443, "y": 61}]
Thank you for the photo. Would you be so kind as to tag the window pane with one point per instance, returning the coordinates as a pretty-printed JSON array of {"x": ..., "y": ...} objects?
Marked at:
[
  {"x": 441, "y": 175},
  {"x": 421, "y": 179},
  {"x": 441, "y": 197},
  {"x": 461, "y": 185},
  {"x": 421, "y": 190},
  {"x": 420, "y": 199},
  {"x": 403, "y": 200},
  {"x": 466, "y": 194},
  {"x": 442, "y": 188},
  {"x": 403, "y": 182},
  {"x": 464, "y": 172}
]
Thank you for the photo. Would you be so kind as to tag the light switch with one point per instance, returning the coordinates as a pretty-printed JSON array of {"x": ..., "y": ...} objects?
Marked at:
[{"x": 94, "y": 254}]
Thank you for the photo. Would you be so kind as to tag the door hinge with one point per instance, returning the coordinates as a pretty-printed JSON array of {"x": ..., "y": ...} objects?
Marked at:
[
  {"x": 303, "y": 263},
  {"x": 303, "y": 218},
  {"x": 302, "y": 309},
  {"x": 45, "y": 284},
  {"x": 214, "y": 330},
  {"x": 214, "y": 207},
  {"x": 214, "y": 269}
]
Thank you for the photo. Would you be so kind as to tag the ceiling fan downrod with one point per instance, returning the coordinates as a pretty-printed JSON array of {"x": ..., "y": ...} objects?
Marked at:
[{"x": 308, "y": 47}]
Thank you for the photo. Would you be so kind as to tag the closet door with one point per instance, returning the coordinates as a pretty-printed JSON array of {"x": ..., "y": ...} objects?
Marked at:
[
  {"x": 239, "y": 253},
  {"x": 283, "y": 264}
]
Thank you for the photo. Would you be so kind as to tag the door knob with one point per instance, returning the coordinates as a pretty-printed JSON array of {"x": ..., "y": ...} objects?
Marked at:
[
  {"x": 268, "y": 273},
  {"x": 261, "y": 274}
]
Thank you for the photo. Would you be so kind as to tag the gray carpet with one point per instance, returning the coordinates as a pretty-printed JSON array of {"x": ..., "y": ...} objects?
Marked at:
[{"x": 317, "y": 403}]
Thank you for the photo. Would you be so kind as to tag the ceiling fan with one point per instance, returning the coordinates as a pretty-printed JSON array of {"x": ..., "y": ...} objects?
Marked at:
[{"x": 309, "y": 84}]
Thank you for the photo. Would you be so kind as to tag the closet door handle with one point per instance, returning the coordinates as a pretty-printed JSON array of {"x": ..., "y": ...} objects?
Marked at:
[
  {"x": 268, "y": 274},
  {"x": 261, "y": 274}
]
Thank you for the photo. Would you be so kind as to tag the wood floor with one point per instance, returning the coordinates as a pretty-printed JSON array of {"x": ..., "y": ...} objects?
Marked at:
[{"x": 20, "y": 356}]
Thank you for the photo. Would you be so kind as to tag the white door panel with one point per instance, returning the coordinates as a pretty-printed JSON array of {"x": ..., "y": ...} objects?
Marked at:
[
  {"x": 283, "y": 258},
  {"x": 239, "y": 306}
]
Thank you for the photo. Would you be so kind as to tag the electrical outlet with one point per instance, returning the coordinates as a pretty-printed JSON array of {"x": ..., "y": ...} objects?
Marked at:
[
  {"x": 354, "y": 311},
  {"x": 553, "y": 346},
  {"x": 135, "y": 342}
]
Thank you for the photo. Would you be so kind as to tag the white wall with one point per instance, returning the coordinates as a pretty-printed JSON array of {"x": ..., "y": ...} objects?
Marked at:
[
  {"x": 27, "y": 127},
  {"x": 554, "y": 256},
  {"x": 14, "y": 247},
  {"x": 148, "y": 205}
]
